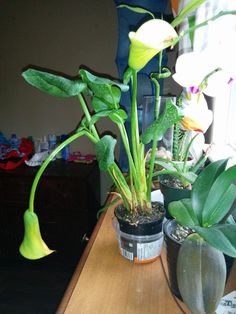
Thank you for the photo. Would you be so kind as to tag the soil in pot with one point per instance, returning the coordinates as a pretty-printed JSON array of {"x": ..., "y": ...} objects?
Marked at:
[
  {"x": 140, "y": 236},
  {"x": 174, "y": 235},
  {"x": 172, "y": 190}
]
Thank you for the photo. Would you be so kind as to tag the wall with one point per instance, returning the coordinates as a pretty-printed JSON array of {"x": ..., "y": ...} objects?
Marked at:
[{"x": 59, "y": 35}]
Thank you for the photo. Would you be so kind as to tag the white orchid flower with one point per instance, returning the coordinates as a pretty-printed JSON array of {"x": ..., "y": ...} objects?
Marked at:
[
  {"x": 191, "y": 70},
  {"x": 151, "y": 37},
  {"x": 197, "y": 116},
  {"x": 205, "y": 72}
]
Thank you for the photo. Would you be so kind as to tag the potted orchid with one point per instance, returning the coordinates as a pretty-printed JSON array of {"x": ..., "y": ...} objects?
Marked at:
[
  {"x": 202, "y": 231},
  {"x": 104, "y": 94}
]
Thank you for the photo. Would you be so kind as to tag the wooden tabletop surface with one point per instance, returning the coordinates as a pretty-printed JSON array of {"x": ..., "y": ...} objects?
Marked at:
[{"x": 106, "y": 283}]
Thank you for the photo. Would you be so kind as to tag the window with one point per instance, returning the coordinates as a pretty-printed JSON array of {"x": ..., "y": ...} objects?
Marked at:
[{"x": 224, "y": 126}]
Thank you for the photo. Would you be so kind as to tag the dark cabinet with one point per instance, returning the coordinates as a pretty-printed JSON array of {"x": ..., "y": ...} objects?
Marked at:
[{"x": 66, "y": 202}]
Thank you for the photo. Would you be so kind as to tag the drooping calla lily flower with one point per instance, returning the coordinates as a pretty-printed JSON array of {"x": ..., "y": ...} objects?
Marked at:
[
  {"x": 197, "y": 116},
  {"x": 151, "y": 37},
  {"x": 33, "y": 246}
]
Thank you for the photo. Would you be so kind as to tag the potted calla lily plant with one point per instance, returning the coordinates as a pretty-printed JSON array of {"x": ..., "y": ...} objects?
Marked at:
[{"x": 99, "y": 97}]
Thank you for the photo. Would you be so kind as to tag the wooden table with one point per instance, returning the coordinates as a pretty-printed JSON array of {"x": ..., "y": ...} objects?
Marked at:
[{"x": 106, "y": 283}]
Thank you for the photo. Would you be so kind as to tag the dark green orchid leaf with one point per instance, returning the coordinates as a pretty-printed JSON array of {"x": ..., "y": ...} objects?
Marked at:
[
  {"x": 220, "y": 197},
  {"x": 105, "y": 152},
  {"x": 169, "y": 117},
  {"x": 183, "y": 212},
  {"x": 222, "y": 237},
  {"x": 201, "y": 274},
  {"x": 203, "y": 184},
  {"x": 52, "y": 84}
]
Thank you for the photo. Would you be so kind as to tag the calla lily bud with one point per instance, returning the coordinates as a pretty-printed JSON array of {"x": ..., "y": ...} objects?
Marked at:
[
  {"x": 152, "y": 37},
  {"x": 33, "y": 246}
]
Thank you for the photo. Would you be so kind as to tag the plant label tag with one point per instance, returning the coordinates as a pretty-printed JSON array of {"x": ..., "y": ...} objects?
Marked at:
[{"x": 227, "y": 304}]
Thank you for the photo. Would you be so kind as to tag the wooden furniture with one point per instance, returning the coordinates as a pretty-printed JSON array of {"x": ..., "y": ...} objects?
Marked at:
[
  {"x": 67, "y": 200},
  {"x": 104, "y": 282}
]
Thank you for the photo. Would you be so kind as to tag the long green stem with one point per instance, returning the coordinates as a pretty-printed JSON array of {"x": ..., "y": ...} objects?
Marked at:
[
  {"x": 87, "y": 115},
  {"x": 193, "y": 28},
  {"x": 134, "y": 120},
  {"x": 155, "y": 139},
  {"x": 45, "y": 164}
]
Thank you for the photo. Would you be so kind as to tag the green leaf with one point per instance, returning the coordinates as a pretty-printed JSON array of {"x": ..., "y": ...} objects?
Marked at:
[
  {"x": 220, "y": 198},
  {"x": 222, "y": 237},
  {"x": 97, "y": 80},
  {"x": 189, "y": 176},
  {"x": 203, "y": 184},
  {"x": 190, "y": 7},
  {"x": 118, "y": 116},
  {"x": 52, "y": 84},
  {"x": 136, "y": 9},
  {"x": 127, "y": 75},
  {"x": 183, "y": 212},
  {"x": 97, "y": 116},
  {"x": 104, "y": 89},
  {"x": 100, "y": 105},
  {"x": 168, "y": 165},
  {"x": 169, "y": 117},
  {"x": 105, "y": 152},
  {"x": 201, "y": 274},
  {"x": 191, "y": 22}
]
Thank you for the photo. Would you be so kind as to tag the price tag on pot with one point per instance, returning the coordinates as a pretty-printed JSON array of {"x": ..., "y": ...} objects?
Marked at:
[{"x": 227, "y": 304}]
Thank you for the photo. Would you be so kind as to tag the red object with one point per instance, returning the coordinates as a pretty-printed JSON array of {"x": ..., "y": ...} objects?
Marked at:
[{"x": 15, "y": 157}]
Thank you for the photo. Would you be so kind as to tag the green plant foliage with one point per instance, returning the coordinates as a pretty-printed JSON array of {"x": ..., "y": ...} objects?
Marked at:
[
  {"x": 190, "y": 7},
  {"x": 170, "y": 116},
  {"x": 203, "y": 185},
  {"x": 105, "y": 152},
  {"x": 52, "y": 84},
  {"x": 201, "y": 274},
  {"x": 220, "y": 198},
  {"x": 136, "y": 9},
  {"x": 212, "y": 196},
  {"x": 103, "y": 88},
  {"x": 222, "y": 237}
]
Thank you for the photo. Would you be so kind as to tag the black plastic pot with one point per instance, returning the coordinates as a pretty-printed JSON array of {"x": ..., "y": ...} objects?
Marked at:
[
  {"x": 171, "y": 194},
  {"x": 172, "y": 251},
  {"x": 140, "y": 242}
]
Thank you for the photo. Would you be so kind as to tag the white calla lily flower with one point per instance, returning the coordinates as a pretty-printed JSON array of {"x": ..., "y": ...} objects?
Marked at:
[{"x": 151, "y": 37}]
